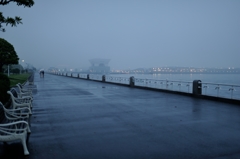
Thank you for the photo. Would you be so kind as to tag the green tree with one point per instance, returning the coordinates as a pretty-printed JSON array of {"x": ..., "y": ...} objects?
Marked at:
[
  {"x": 15, "y": 70},
  {"x": 7, "y": 54},
  {"x": 4, "y": 87},
  {"x": 16, "y": 20}
]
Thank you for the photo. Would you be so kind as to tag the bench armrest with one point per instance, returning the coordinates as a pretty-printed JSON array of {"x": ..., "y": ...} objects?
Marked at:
[
  {"x": 15, "y": 114},
  {"x": 13, "y": 128},
  {"x": 21, "y": 89}
]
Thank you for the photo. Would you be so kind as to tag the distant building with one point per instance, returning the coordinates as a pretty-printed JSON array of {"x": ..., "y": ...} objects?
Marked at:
[
  {"x": 53, "y": 69},
  {"x": 99, "y": 66}
]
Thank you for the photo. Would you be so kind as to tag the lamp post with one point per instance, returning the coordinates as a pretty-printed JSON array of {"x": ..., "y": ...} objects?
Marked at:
[{"x": 22, "y": 67}]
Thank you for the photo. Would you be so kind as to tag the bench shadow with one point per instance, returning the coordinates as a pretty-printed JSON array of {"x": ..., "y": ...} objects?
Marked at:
[{"x": 12, "y": 150}]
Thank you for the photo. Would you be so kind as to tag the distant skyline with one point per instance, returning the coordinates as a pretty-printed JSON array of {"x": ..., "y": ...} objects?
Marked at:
[{"x": 132, "y": 34}]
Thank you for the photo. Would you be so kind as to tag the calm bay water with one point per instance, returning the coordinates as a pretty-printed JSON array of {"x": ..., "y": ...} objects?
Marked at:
[{"x": 205, "y": 78}]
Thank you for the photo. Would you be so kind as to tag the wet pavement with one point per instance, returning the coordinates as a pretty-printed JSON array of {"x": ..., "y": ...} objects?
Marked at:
[{"x": 81, "y": 119}]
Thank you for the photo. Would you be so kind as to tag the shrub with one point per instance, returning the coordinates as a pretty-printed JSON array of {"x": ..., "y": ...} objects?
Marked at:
[
  {"x": 4, "y": 87},
  {"x": 16, "y": 71}
]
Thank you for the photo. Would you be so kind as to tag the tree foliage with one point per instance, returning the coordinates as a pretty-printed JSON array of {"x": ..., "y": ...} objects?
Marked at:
[
  {"x": 7, "y": 54},
  {"x": 4, "y": 87},
  {"x": 13, "y": 21},
  {"x": 15, "y": 70}
]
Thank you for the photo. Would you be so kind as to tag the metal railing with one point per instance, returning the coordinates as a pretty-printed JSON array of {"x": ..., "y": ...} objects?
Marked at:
[
  {"x": 221, "y": 90},
  {"x": 122, "y": 80},
  {"x": 227, "y": 91},
  {"x": 83, "y": 76},
  {"x": 180, "y": 86},
  {"x": 95, "y": 77},
  {"x": 74, "y": 74}
]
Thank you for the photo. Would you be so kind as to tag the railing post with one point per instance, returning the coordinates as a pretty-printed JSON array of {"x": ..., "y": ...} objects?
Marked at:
[
  {"x": 132, "y": 81},
  {"x": 78, "y": 75},
  {"x": 71, "y": 74},
  {"x": 66, "y": 74},
  {"x": 88, "y": 76},
  {"x": 103, "y": 78},
  {"x": 197, "y": 87}
]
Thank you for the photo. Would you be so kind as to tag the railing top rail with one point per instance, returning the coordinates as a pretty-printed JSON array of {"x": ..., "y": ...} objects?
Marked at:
[
  {"x": 165, "y": 80},
  {"x": 162, "y": 80},
  {"x": 222, "y": 84},
  {"x": 116, "y": 77}
]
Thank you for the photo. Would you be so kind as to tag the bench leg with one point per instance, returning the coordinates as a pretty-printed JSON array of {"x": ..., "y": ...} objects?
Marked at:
[
  {"x": 30, "y": 113},
  {"x": 29, "y": 122},
  {"x": 23, "y": 140},
  {"x": 28, "y": 130}
]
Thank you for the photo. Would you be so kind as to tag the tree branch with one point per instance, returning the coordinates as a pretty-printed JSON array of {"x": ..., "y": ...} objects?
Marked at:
[
  {"x": 5, "y": 2},
  {"x": 16, "y": 20},
  {"x": 25, "y": 3}
]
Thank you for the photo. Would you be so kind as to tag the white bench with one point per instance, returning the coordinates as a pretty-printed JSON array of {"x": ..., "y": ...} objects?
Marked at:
[
  {"x": 19, "y": 114},
  {"x": 22, "y": 91},
  {"x": 31, "y": 79},
  {"x": 18, "y": 94},
  {"x": 20, "y": 102},
  {"x": 12, "y": 130}
]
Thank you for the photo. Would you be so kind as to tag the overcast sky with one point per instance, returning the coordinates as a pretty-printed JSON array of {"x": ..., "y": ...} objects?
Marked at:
[{"x": 132, "y": 33}]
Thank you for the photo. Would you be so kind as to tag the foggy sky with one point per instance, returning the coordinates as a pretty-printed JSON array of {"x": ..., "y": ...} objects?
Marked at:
[{"x": 132, "y": 33}]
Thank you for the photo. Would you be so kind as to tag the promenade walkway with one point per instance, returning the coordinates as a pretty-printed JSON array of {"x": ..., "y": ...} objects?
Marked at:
[{"x": 81, "y": 119}]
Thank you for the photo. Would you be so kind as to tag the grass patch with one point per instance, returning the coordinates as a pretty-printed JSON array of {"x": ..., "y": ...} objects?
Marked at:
[{"x": 18, "y": 78}]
